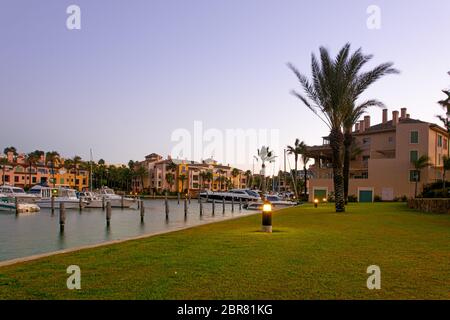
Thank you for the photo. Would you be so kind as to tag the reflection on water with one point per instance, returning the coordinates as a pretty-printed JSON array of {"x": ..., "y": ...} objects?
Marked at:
[{"x": 25, "y": 235}]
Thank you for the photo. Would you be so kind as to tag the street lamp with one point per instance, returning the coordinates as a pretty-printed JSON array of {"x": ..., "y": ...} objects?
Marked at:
[{"x": 267, "y": 216}]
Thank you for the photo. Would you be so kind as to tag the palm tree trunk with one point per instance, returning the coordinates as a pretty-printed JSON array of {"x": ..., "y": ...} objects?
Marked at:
[
  {"x": 336, "y": 143},
  {"x": 295, "y": 176},
  {"x": 346, "y": 169},
  {"x": 305, "y": 172}
]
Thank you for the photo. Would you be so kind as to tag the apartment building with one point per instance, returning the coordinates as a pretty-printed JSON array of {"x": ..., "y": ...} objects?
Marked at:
[
  {"x": 18, "y": 173},
  {"x": 382, "y": 158},
  {"x": 176, "y": 175}
]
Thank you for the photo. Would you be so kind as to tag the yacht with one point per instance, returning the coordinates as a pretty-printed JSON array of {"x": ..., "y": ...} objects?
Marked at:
[
  {"x": 93, "y": 200},
  {"x": 276, "y": 201},
  {"x": 8, "y": 203},
  {"x": 246, "y": 195},
  {"x": 117, "y": 201},
  {"x": 61, "y": 195},
  {"x": 16, "y": 192}
]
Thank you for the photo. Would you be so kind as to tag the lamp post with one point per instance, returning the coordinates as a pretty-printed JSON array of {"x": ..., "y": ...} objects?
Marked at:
[
  {"x": 267, "y": 217},
  {"x": 316, "y": 201}
]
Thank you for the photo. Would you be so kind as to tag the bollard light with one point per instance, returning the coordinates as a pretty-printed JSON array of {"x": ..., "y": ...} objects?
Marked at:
[
  {"x": 324, "y": 199},
  {"x": 316, "y": 201},
  {"x": 267, "y": 217}
]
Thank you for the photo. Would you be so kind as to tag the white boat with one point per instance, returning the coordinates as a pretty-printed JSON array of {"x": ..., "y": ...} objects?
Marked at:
[
  {"x": 276, "y": 201},
  {"x": 93, "y": 201},
  {"x": 245, "y": 195},
  {"x": 60, "y": 195},
  {"x": 10, "y": 204},
  {"x": 16, "y": 192},
  {"x": 117, "y": 201}
]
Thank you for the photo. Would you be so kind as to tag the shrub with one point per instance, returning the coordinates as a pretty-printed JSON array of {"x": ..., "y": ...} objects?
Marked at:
[
  {"x": 352, "y": 198},
  {"x": 377, "y": 198}
]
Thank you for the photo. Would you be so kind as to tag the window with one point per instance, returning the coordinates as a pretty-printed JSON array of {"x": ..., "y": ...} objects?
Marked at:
[
  {"x": 413, "y": 155},
  {"x": 439, "y": 142},
  {"x": 445, "y": 143},
  {"x": 16, "y": 179},
  {"x": 390, "y": 139},
  {"x": 414, "y": 137},
  {"x": 414, "y": 175}
]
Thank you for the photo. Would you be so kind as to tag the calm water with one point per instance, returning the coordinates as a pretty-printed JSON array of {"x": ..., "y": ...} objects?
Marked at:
[{"x": 26, "y": 234}]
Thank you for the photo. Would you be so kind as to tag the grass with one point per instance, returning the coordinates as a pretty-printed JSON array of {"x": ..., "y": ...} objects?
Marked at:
[{"x": 312, "y": 254}]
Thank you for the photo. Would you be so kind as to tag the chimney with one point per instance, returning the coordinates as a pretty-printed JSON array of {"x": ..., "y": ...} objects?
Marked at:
[
  {"x": 394, "y": 118},
  {"x": 357, "y": 127},
  {"x": 385, "y": 115},
  {"x": 361, "y": 125},
  {"x": 366, "y": 122},
  {"x": 407, "y": 116},
  {"x": 403, "y": 113}
]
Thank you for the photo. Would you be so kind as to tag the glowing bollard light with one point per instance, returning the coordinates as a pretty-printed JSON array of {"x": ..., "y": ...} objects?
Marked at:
[
  {"x": 267, "y": 217},
  {"x": 316, "y": 201}
]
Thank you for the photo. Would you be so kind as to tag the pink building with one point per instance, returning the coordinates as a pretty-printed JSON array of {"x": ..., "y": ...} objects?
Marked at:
[{"x": 382, "y": 159}]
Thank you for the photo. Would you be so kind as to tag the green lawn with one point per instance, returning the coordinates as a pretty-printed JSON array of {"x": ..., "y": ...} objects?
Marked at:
[{"x": 312, "y": 254}]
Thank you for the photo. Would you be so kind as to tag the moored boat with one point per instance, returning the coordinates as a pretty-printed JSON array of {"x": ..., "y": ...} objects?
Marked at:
[
  {"x": 59, "y": 195},
  {"x": 93, "y": 200},
  {"x": 276, "y": 201},
  {"x": 244, "y": 195},
  {"x": 117, "y": 201}
]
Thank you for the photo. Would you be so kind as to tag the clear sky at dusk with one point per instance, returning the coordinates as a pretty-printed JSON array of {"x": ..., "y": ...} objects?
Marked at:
[{"x": 138, "y": 70}]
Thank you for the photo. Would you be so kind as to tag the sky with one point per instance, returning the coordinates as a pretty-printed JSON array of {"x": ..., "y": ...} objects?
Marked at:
[{"x": 138, "y": 71}]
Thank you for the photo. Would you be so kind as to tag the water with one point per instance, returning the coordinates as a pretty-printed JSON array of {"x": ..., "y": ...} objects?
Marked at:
[{"x": 29, "y": 234}]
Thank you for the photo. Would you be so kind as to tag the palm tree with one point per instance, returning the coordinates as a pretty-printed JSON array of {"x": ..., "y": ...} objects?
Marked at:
[
  {"x": 209, "y": 177},
  {"x": 141, "y": 172},
  {"x": 445, "y": 168},
  {"x": 419, "y": 164},
  {"x": 296, "y": 150},
  {"x": 31, "y": 159},
  {"x": 334, "y": 87},
  {"x": 266, "y": 156},
  {"x": 203, "y": 177},
  {"x": 3, "y": 163},
  {"x": 182, "y": 178},
  {"x": 305, "y": 160},
  {"x": 10, "y": 149},
  {"x": 170, "y": 178},
  {"x": 248, "y": 175},
  {"x": 446, "y": 103},
  {"x": 52, "y": 157},
  {"x": 234, "y": 173}
]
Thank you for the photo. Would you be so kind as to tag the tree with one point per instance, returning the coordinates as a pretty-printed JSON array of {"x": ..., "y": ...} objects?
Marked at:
[
  {"x": 182, "y": 179},
  {"x": 141, "y": 172},
  {"x": 234, "y": 173},
  {"x": 248, "y": 175},
  {"x": 445, "y": 168},
  {"x": 329, "y": 94},
  {"x": 10, "y": 149},
  {"x": 170, "y": 178},
  {"x": 31, "y": 159},
  {"x": 203, "y": 176},
  {"x": 3, "y": 163},
  {"x": 419, "y": 165},
  {"x": 53, "y": 158},
  {"x": 266, "y": 156},
  {"x": 305, "y": 160},
  {"x": 209, "y": 177},
  {"x": 296, "y": 150}
]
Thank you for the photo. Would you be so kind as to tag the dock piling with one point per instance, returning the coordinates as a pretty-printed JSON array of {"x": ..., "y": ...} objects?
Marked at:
[
  {"x": 53, "y": 204},
  {"x": 108, "y": 214},
  {"x": 62, "y": 216},
  {"x": 232, "y": 204},
  {"x": 213, "y": 207},
  {"x": 185, "y": 207},
  {"x": 223, "y": 205},
  {"x": 166, "y": 203},
  {"x": 141, "y": 203},
  {"x": 201, "y": 208},
  {"x": 240, "y": 204}
]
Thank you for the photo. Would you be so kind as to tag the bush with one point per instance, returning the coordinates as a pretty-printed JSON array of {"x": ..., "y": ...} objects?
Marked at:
[
  {"x": 352, "y": 198},
  {"x": 377, "y": 198}
]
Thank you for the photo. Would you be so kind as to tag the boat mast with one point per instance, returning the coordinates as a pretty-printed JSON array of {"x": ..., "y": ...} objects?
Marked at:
[{"x": 90, "y": 173}]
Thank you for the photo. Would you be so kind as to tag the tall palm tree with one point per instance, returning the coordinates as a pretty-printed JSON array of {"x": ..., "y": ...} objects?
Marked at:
[
  {"x": 182, "y": 177},
  {"x": 31, "y": 159},
  {"x": 10, "y": 149},
  {"x": 334, "y": 87},
  {"x": 421, "y": 163},
  {"x": 248, "y": 175},
  {"x": 445, "y": 168},
  {"x": 234, "y": 173},
  {"x": 265, "y": 155},
  {"x": 3, "y": 163},
  {"x": 296, "y": 150},
  {"x": 141, "y": 172},
  {"x": 209, "y": 177},
  {"x": 52, "y": 157},
  {"x": 305, "y": 160},
  {"x": 170, "y": 178}
]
